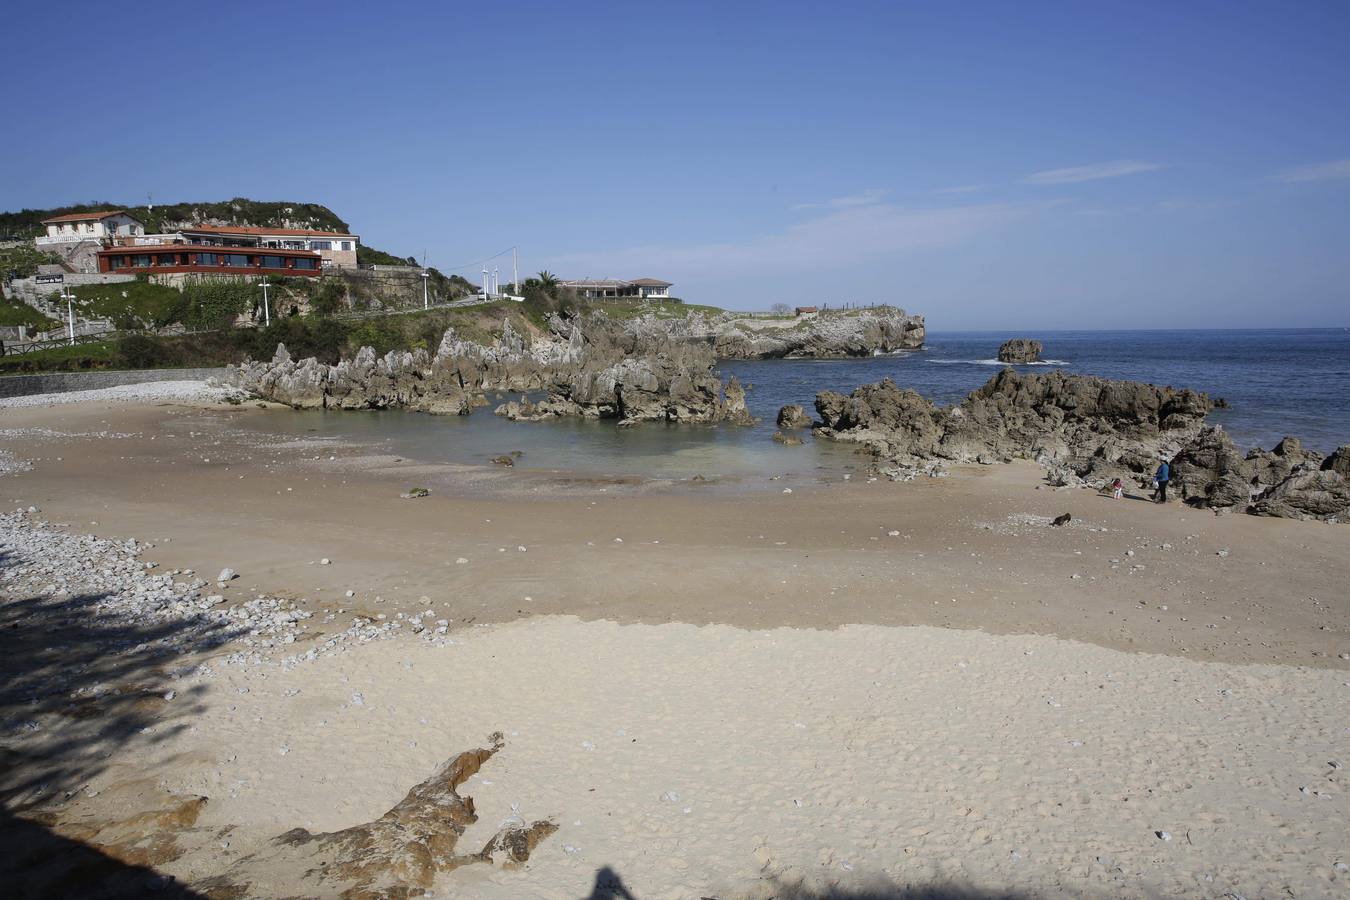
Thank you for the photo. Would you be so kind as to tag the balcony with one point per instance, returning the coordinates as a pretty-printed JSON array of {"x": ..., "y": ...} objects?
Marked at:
[{"x": 47, "y": 240}]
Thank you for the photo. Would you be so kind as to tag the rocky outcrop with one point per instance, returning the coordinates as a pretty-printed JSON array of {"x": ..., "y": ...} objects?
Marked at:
[
  {"x": 1020, "y": 350},
  {"x": 828, "y": 335},
  {"x": 1338, "y": 461},
  {"x": 1092, "y": 427},
  {"x": 1086, "y": 429},
  {"x": 397, "y": 855},
  {"x": 1270, "y": 467},
  {"x": 632, "y": 371},
  {"x": 793, "y": 416},
  {"x": 1209, "y": 471},
  {"x": 1289, "y": 481},
  {"x": 1318, "y": 494}
]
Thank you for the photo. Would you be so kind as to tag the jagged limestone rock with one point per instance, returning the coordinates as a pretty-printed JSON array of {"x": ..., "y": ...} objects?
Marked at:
[{"x": 1020, "y": 350}]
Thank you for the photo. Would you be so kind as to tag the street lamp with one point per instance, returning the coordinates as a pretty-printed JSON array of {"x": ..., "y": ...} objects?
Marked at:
[
  {"x": 267, "y": 312},
  {"x": 426, "y": 302},
  {"x": 486, "y": 292},
  {"x": 69, "y": 295}
]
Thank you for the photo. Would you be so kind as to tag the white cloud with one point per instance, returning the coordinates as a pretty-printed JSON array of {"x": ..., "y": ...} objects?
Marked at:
[
  {"x": 826, "y": 243},
  {"x": 1327, "y": 171},
  {"x": 1094, "y": 172},
  {"x": 866, "y": 198}
]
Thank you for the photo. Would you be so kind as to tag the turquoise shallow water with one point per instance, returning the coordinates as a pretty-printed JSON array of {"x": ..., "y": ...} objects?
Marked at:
[{"x": 1277, "y": 382}]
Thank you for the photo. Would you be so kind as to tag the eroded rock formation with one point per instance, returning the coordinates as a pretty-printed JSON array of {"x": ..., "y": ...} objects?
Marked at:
[
  {"x": 599, "y": 367},
  {"x": 1086, "y": 429},
  {"x": 1020, "y": 350},
  {"x": 1092, "y": 427},
  {"x": 793, "y": 416},
  {"x": 397, "y": 855},
  {"x": 829, "y": 335}
]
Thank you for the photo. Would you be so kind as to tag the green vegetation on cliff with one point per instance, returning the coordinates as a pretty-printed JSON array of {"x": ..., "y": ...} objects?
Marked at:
[{"x": 27, "y": 223}]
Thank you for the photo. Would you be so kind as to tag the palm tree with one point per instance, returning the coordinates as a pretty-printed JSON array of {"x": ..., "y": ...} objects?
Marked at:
[{"x": 548, "y": 279}]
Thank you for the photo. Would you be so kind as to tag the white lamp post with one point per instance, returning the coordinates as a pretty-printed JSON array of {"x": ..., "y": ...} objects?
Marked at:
[
  {"x": 267, "y": 312},
  {"x": 70, "y": 313},
  {"x": 426, "y": 301},
  {"x": 487, "y": 292}
]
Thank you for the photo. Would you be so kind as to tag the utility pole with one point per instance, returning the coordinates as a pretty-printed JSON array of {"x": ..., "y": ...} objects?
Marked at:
[
  {"x": 486, "y": 292},
  {"x": 426, "y": 301},
  {"x": 496, "y": 285},
  {"x": 267, "y": 312},
  {"x": 515, "y": 273},
  {"x": 70, "y": 313}
]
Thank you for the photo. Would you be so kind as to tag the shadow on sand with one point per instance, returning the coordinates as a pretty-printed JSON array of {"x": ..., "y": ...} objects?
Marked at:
[
  {"x": 609, "y": 886},
  {"x": 77, "y": 680}
]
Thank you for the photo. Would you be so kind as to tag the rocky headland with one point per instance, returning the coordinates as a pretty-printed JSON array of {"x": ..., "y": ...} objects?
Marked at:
[
  {"x": 1089, "y": 430},
  {"x": 827, "y": 335},
  {"x": 635, "y": 370}
]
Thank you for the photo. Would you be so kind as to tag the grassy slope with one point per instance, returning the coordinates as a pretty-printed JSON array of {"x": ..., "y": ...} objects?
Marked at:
[
  {"x": 148, "y": 302},
  {"x": 16, "y": 312}
]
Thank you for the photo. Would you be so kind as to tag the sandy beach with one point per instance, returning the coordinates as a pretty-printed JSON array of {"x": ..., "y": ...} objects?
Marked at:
[{"x": 757, "y": 690}]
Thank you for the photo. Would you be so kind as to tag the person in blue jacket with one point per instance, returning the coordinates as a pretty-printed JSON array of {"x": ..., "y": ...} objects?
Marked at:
[{"x": 1163, "y": 475}]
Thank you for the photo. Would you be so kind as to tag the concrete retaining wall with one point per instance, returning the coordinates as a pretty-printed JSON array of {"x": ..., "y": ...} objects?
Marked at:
[{"x": 60, "y": 382}]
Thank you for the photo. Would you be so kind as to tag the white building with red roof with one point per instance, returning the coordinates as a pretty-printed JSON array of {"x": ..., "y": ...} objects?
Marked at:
[{"x": 89, "y": 226}]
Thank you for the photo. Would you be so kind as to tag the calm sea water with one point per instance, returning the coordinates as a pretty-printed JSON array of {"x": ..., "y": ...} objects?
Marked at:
[{"x": 1278, "y": 382}]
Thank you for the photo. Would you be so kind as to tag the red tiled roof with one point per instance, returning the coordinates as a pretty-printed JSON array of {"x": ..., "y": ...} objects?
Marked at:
[
  {"x": 88, "y": 216},
  {"x": 253, "y": 230}
]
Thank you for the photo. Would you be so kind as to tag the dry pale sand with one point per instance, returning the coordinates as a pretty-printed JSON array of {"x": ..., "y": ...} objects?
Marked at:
[{"x": 746, "y": 694}]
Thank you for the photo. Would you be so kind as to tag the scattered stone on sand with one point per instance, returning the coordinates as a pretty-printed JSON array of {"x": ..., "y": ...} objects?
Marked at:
[
  {"x": 787, "y": 440},
  {"x": 226, "y": 575}
]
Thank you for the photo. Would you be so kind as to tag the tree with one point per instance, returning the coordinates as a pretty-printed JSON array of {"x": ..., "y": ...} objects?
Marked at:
[
  {"x": 781, "y": 309},
  {"x": 548, "y": 280}
]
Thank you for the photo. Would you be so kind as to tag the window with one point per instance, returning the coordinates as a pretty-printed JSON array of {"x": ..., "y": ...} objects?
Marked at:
[
  {"x": 306, "y": 263},
  {"x": 141, "y": 260},
  {"x": 116, "y": 262},
  {"x": 206, "y": 259},
  {"x": 347, "y": 246},
  {"x": 233, "y": 259},
  {"x": 321, "y": 245},
  {"x": 167, "y": 259},
  {"x": 273, "y": 262}
]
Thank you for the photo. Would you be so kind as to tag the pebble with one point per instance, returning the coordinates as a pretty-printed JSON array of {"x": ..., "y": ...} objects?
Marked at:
[{"x": 226, "y": 575}]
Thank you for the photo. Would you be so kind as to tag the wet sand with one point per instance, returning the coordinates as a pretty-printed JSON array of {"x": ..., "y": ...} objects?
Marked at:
[{"x": 972, "y": 550}]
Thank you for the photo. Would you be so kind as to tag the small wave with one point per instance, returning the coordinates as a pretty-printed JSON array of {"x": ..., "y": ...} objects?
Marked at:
[{"x": 995, "y": 362}]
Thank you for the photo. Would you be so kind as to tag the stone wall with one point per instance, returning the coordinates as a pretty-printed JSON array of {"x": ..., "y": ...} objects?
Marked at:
[{"x": 60, "y": 382}]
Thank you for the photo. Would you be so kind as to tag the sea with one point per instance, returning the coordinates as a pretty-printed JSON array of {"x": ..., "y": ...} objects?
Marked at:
[{"x": 1277, "y": 382}]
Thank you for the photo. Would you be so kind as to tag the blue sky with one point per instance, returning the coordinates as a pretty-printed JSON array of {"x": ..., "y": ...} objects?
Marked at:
[{"x": 992, "y": 165}]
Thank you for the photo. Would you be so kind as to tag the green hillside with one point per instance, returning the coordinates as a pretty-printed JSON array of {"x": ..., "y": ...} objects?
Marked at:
[{"x": 27, "y": 223}]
